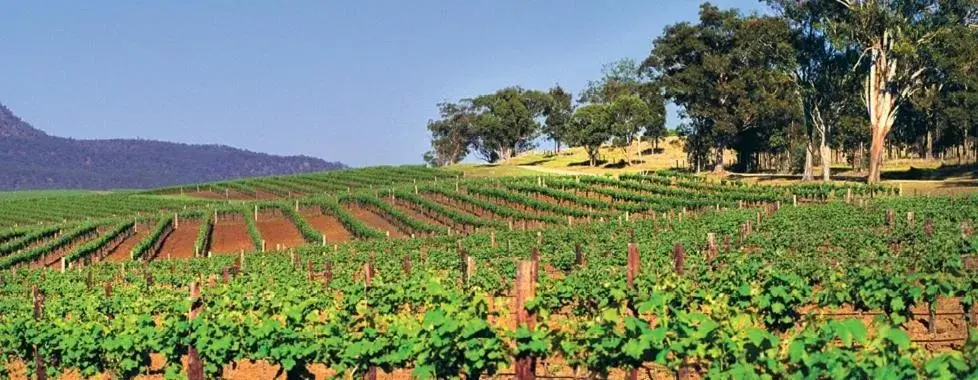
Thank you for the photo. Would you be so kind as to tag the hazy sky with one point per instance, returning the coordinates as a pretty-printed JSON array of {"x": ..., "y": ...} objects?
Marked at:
[{"x": 353, "y": 81}]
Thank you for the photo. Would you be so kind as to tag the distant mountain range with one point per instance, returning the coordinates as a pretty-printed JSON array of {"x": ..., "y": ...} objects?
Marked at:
[{"x": 31, "y": 159}]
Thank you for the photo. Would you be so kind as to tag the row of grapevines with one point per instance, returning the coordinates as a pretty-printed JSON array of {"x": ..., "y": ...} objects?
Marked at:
[
  {"x": 357, "y": 228},
  {"x": 10, "y": 234},
  {"x": 28, "y": 239},
  {"x": 252, "y": 226},
  {"x": 397, "y": 216},
  {"x": 454, "y": 215},
  {"x": 94, "y": 245},
  {"x": 559, "y": 195},
  {"x": 496, "y": 209},
  {"x": 51, "y": 246},
  {"x": 162, "y": 227},
  {"x": 308, "y": 231},
  {"x": 203, "y": 241},
  {"x": 528, "y": 201}
]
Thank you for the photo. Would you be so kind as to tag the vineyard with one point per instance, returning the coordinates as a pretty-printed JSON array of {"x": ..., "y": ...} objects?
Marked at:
[{"x": 400, "y": 272}]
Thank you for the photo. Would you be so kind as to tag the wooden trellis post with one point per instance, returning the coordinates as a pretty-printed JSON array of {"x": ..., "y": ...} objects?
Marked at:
[
  {"x": 368, "y": 275},
  {"x": 195, "y": 367},
  {"x": 579, "y": 256},
  {"x": 633, "y": 268},
  {"x": 525, "y": 367},
  {"x": 38, "y": 298},
  {"x": 678, "y": 258}
]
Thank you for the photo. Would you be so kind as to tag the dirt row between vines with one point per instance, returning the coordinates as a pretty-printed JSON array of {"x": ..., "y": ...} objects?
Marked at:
[
  {"x": 231, "y": 237},
  {"x": 123, "y": 252},
  {"x": 180, "y": 243},
  {"x": 278, "y": 231},
  {"x": 329, "y": 226},
  {"x": 374, "y": 220}
]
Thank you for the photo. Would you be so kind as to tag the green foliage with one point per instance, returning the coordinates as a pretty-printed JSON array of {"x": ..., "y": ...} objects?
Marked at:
[{"x": 162, "y": 227}]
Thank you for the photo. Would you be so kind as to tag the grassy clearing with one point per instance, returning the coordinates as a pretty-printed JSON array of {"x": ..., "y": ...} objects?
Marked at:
[
  {"x": 916, "y": 176},
  {"x": 501, "y": 170}
]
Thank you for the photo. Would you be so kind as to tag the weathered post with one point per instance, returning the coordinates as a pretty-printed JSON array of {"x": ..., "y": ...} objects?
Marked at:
[
  {"x": 678, "y": 258},
  {"x": 38, "y": 298},
  {"x": 633, "y": 267},
  {"x": 469, "y": 269},
  {"x": 195, "y": 367},
  {"x": 525, "y": 366},
  {"x": 633, "y": 264},
  {"x": 368, "y": 275},
  {"x": 406, "y": 264},
  {"x": 579, "y": 256}
]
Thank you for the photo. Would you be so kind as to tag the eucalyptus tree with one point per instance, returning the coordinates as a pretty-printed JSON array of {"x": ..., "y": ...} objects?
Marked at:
[
  {"x": 507, "y": 122},
  {"x": 890, "y": 35},
  {"x": 636, "y": 106},
  {"x": 558, "y": 113},
  {"x": 590, "y": 128},
  {"x": 730, "y": 75},
  {"x": 453, "y": 134}
]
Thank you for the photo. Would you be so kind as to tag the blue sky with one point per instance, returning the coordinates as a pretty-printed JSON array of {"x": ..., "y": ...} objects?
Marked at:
[{"x": 353, "y": 81}]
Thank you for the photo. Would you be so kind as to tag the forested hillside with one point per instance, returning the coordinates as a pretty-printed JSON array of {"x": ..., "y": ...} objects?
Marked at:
[{"x": 31, "y": 159}]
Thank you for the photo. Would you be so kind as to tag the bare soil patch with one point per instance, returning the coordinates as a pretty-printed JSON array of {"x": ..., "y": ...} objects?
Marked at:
[
  {"x": 123, "y": 251},
  {"x": 180, "y": 243},
  {"x": 417, "y": 214},
  {"x": 374, "y": 220},
  {"x": 279, "y": 232},
  {"x": 329, "y": 226},
  {"x": 230, "y": 237}
]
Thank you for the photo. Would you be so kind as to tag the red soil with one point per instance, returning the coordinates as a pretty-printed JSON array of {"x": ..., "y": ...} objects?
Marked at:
[
  {"x": 373, "y": 220},
  {"x": 452, "y": 204},
  {"x": 180, "y": 243},
  {"x": 123, "y": 252},
  {"x": 53, "y": 259},
  {"x": 278, "y": 231},
  {"x": 262, "y": 194},
  {"x": 206, "y": 195},
  {"x": 329, "y": 226},
  {"x": 230, "y": 237},
  {"x": 416, "y": 214}
]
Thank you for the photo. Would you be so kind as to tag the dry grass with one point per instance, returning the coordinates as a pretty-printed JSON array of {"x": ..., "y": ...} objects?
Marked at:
[{"x": 905, "y": 173}]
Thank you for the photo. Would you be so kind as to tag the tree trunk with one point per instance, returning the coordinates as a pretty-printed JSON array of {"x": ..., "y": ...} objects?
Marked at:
[
  {"x": 880, "y": 102},
  {"x": 718, "y": 163},
  {"x": 876, "y": 155},
  {"x": 807, "y": 175},
  {"x": 823, "y": 133},
  {"x": 826, "y": 156},
  {"x": 929, "y": 146}
]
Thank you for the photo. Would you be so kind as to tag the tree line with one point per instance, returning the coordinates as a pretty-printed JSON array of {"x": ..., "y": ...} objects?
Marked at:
[{"x": 782, "y": 90}]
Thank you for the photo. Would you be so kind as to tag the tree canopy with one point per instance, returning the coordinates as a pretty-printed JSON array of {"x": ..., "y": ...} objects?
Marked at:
[{"x": 828, "y": 81}]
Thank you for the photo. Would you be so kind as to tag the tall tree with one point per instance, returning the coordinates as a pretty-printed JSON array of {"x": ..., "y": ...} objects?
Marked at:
[
  {"x": 825, "y": 86},
  {"x": 655, "y": 126},
  {"x": 558, "y": 113},
  {"x": 729, "y": 74},
  {"x": 507, "y": 122},
  {"x": 635, "y": 103},
  {"x": 590, "y": 127},
  {"x": 890, "y": 35},
  {"x": 629, "y": 115},
  {"x": 453, "y": 135}
]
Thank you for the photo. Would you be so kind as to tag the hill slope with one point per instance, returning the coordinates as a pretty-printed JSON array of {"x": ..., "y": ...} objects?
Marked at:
[{"x": 31, "y": 159}]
